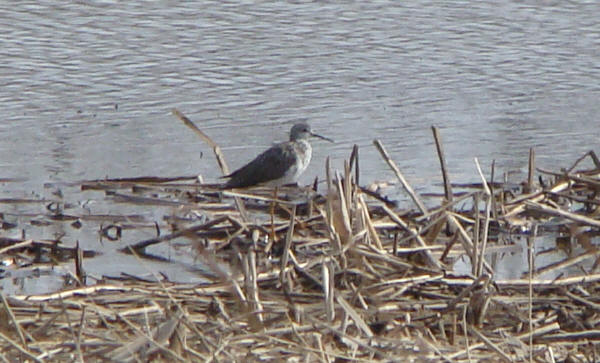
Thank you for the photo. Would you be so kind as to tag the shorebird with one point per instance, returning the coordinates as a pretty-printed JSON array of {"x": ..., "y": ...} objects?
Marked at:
[{"x": 279, "y": 165}]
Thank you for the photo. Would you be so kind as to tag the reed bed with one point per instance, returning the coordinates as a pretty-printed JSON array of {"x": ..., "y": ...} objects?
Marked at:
[{"x": 340, "y": 275}]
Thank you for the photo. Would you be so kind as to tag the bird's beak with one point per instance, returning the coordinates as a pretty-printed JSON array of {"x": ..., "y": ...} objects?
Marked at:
[{"x": 321, "y": 137}]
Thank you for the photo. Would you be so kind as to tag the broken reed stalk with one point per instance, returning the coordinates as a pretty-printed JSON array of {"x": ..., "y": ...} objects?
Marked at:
[
  {"x": 546, "y": 283},
  {"x": 534, "y": 205},
  {"x": 16, "y": 246},
  {"x": 440, "y": 151},
  {"x": 476, "y": 234},
  {"x": 351, "y": 186},
  {"x": 566, "y": 263},
  {"x": 13, "y": 320},
  {"x": 537, "y": 332},
  {"x": 531, "y": 172},
  {"x": 492, "y": 192},
  {"x": 79, "y": 271},
  {"x": 349, "y": 189},
  {"x": 446, "y": 207},
  {"x": 216, "y": 149},
  {"x": 337, "y": 224},
  {"x": 589, "y": 180},
  {"x": 252, "y": 293},
  {"x": 288, "y": 244},
  {"x": 466, "y": 332},
  {"x": 328, "y": 205},
  {"x": 218, "y": 154},
  {"x": 415, "y": 234},
  {"x": 400, "y": 177},
  {"x": 490, "y": 344},
  {"x": 481, "y": 280},
  {"x": 466, "y": 241},
  {"x": 328, "y": 276},
  {"x": 145, "y": 344},
  {"x": 582, "y": 301},
  {"x": 536, "y": 197},
  {"x": 354, "y": 163},
  {"x": 21, "y": 349},
  {"x": 79, "y": 332},
  {"x": 368, "y": 223},
  {"x": 272, "y": 214},
  {"x": 354, "y": 316},
  {"x": 592, "y": 155},
  {"x": 531, "y": 267},
  {"x": 343, "y": 226},
  {"x": 486, "y": 223}
]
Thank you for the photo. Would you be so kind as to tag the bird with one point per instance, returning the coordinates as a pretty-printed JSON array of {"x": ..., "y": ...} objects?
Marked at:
[{"x": 279, "y": 165}]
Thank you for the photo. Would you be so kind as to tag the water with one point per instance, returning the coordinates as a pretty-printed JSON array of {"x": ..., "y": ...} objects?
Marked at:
[{"x": 87, "y": 87}]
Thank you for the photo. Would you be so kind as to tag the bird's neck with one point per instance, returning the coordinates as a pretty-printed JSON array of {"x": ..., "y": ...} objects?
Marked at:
[{"x": 303, "y": 143}]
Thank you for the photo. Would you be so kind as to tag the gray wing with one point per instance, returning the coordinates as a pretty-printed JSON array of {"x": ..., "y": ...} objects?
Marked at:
[{"x": 271, "y": 164}]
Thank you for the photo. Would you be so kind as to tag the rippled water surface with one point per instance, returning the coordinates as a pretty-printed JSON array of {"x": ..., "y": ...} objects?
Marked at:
[{"x": 87, "y": 87}]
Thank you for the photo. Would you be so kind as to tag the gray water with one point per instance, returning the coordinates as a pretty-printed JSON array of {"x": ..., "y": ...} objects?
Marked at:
[{"x": 87, "y": 87}]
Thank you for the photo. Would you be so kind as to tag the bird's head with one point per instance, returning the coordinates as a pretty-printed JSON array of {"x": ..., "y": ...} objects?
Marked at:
[{"x": 302, "y": 131}]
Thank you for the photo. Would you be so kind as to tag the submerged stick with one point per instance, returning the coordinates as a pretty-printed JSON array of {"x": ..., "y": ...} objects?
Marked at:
[
  {"x": 140, "y": 246},
  {"x": 400, "y": 177}
]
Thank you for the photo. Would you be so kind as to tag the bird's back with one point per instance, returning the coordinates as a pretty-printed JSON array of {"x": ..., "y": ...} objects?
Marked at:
[{"x": 269, "y": 166}]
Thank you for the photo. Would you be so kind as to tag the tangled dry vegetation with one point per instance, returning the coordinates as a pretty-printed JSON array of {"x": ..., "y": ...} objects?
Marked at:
[{"x": 343, "y": 275}]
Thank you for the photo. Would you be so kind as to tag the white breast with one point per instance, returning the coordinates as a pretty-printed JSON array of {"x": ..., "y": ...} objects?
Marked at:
[{"x": 303, "y": 156}]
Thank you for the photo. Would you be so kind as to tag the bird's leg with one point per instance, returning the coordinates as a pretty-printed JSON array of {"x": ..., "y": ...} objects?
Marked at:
[{"x": 273, "y": 202}]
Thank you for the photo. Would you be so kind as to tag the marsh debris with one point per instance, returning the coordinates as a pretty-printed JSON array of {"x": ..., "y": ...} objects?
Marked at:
[{"x": 333, "y": 275}]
